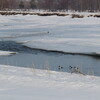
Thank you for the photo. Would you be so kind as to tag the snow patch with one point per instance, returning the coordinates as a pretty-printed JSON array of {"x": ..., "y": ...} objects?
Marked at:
[
  {"x": 6, "y": 53},
  {"x": 29, "y": 83}
]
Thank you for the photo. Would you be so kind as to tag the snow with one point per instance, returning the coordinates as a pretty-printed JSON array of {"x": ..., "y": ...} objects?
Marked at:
[
  {"x": 53, "y": 32},
  {"x": 6, "y": 53},
  {"x": 33, "y": 84}
]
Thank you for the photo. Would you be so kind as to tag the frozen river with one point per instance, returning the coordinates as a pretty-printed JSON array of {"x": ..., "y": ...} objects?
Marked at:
[
  {"x": 42, "y": 59},
  {"x": 35, "y": 38}
]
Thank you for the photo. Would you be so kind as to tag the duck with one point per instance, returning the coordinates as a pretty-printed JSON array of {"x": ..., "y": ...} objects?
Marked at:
[{"x": 60, "y": 67}]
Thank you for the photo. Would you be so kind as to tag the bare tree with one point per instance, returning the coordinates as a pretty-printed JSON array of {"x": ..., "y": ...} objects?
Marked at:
[
  {"x": 76, "y": 5},
  {"x": 63, "y": 4}
]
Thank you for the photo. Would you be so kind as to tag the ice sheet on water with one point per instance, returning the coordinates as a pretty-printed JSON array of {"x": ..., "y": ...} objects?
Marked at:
[
  {"x": 65, "y": 34},
  {"x": 6, "y": 53}
]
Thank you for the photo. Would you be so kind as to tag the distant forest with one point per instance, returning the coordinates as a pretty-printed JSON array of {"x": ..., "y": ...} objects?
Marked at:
[{"x": 52, "y": 5}]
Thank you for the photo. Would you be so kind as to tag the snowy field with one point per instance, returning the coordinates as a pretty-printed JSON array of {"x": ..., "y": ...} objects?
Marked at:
[{"x": 31, "y": 84}]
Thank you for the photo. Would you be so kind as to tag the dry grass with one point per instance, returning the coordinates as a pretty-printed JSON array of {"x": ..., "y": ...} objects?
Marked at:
[
  {"x": 6, "y": 13},
  {"x": 77, "y": 16}
]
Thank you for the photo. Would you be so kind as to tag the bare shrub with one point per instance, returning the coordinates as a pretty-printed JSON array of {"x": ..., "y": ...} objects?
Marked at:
[
  {"x": 77, "y": 16},
  {"x": 97, "y": 16}
]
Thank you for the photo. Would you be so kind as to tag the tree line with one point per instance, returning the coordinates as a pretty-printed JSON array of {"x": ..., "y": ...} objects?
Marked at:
[{"x": 52, "y": 5}]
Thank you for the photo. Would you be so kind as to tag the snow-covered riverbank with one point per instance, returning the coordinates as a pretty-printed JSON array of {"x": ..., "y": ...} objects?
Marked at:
[{"x": 31, "y": 84}]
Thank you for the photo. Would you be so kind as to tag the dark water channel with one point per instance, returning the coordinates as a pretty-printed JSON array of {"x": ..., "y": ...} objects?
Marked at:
[{"x": 42, "y": 59}]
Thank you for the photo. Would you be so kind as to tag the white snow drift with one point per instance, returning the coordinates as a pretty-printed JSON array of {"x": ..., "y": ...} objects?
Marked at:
[{"x": 33, "y": 84}]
